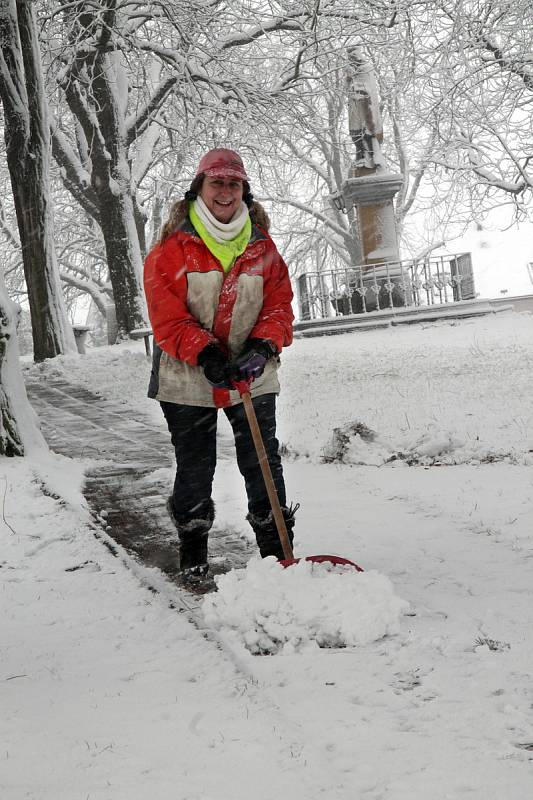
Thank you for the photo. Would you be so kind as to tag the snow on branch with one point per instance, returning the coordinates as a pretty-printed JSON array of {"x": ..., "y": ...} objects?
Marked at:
[
  {"x": 516, "y": 67},
  {"x": 286, "y": 22},
  {"x": 100, "y": 298},
  {"x": 76, "y": 179},
  {"x": 314, "y": 165},
  {"x": 318, "y": 215},
  {"x": 423, "y": 254},
  {"x": 137, "y": 123},
  {"x": 489, "y": 177}
]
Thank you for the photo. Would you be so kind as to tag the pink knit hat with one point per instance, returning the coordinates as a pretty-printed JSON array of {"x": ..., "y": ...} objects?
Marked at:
[{"x": 222, "y": 163}]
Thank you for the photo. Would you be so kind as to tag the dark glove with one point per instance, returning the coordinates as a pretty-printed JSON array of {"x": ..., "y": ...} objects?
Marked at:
[
  {"x": 250, "y": 364},
  {"x": 215, "y": 365}
]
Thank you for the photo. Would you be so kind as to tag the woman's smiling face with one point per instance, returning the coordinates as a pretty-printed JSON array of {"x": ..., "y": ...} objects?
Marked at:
[{"x": 222, "y": 196}]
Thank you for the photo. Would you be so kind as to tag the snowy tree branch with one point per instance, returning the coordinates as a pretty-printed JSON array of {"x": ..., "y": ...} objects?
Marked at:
[
  {"x": 515, "y": 67},
  {"x": 100, "y": 298},
  {"x": 76, "y": 179},
  {"x": 137, "y": 124},
  {"x": 318, "y": 215}
]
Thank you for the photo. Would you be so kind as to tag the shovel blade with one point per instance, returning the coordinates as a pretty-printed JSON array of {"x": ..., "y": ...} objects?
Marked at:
[{"x": 289, "y": 562}]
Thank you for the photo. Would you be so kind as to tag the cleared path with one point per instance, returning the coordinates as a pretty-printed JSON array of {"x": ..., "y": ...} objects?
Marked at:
[{"x": 128, "y": 485}]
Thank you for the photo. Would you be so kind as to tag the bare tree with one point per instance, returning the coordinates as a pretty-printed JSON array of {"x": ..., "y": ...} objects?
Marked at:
[
  {"x": 26, "y": 132},
  {"x": 477, "y": 54},
  {"x": 124, "y": 68}
]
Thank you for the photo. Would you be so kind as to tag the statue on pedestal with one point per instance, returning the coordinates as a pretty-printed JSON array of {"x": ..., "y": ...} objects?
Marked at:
[{"x": 364, "y": 118}]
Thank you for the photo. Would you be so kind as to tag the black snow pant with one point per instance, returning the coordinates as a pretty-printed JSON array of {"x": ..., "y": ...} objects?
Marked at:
[{"x": 193, "y": 433}]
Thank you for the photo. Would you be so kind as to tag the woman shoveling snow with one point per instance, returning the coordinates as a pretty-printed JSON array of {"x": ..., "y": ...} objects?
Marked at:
[{"x": 219, "y": 300}]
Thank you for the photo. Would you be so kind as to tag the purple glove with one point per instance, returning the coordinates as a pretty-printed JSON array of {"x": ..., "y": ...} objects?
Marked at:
[
  {"x": 252, "y": 361},
  {"x": 249, "y": 366}
]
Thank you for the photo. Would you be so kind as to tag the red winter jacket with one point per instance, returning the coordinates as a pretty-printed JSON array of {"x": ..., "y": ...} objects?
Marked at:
[{"x": 192, "y": 302}]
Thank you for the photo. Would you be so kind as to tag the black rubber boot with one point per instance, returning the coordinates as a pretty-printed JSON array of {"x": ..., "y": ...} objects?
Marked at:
[
  {"x": 193, "y": 534},
  {"x": 266, "y": 533},
  {"x": 193, "y": 555}
]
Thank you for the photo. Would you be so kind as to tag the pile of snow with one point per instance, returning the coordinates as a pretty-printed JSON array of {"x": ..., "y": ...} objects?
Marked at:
[
  {"x": 271, "y": 609},
  {"x": 437, "y": 445},
  {"x": 434, "y": 446}
]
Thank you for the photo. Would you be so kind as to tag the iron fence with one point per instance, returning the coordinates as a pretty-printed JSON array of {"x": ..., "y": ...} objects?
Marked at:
[{"x": 375, "y": 287}]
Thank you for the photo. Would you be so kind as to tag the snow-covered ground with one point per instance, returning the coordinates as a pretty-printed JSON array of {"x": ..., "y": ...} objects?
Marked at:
[{"x": 411, "y": 452}]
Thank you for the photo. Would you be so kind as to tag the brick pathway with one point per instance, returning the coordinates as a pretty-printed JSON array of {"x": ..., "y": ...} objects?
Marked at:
[{"x": 124, "y": 490}]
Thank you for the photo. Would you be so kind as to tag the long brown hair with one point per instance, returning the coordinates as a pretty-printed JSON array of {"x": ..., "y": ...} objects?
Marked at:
[{"x": 179, "y": 210}]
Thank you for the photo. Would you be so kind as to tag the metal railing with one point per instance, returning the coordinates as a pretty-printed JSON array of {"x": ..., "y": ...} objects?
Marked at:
[{"x": 376, "y": 287}]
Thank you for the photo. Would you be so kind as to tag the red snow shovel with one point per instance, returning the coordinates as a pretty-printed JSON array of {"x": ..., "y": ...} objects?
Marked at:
[{"x": 243, "y": 387}]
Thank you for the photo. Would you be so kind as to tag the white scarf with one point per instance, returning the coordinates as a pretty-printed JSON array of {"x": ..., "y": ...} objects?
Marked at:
[{"x": 221, "y": 231}]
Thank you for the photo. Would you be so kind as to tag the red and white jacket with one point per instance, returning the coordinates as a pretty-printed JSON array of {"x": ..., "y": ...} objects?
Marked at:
[{"x": 192, "y": 303}]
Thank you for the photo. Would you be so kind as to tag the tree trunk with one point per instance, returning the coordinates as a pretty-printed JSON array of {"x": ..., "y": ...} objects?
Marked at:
[
  {"x": 111, "y": 180},
  {"x": 123, "y": 252},
  {"x": 10, "y": 439},
  {"x": 18, "y": 426},
  {"x": 28, "y": 157},
  {"x": 102, "y": 120}
]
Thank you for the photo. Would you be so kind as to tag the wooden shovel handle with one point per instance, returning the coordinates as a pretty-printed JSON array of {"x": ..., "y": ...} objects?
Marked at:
[{"x": 267, "y": 475}]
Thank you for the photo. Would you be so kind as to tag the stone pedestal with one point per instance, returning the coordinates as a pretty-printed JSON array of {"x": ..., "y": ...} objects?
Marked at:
[{"x": 372, "y": 193}]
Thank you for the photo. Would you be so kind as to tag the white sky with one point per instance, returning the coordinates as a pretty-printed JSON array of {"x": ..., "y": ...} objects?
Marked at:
[{"x": 499, "y": 257}]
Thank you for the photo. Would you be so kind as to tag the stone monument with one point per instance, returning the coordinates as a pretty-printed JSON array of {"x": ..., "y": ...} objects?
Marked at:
[{"x": 370, "y": 188}]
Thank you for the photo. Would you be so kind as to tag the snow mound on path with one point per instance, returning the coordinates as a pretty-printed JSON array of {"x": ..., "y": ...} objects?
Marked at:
[{"x": 271, "y": 609}]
